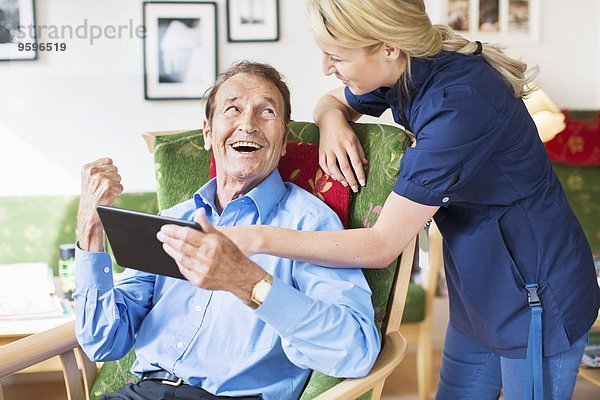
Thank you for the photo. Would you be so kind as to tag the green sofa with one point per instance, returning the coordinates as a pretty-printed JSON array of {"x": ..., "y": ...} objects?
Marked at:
[{"x": 32, "y": 227}]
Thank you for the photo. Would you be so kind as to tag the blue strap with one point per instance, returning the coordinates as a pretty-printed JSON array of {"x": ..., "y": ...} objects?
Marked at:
[{"x": 534, "y": 377}]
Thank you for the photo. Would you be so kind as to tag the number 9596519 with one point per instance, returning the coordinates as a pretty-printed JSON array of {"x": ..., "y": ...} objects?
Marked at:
[{"x": 42, "y": 46}]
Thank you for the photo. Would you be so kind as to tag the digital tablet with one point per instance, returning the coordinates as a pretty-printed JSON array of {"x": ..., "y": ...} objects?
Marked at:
[{"x": 132, "y": 237}]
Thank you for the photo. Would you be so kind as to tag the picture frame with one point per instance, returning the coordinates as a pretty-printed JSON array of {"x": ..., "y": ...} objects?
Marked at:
[
  {"x": 18, "y": 38},
  {"x": 180, "y": 49},
  {"x": 495, "y": 21},
  {"x": 252, "y": 20}
]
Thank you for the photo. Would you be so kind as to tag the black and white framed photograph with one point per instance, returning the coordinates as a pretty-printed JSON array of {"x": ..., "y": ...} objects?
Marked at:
[
  {"x": 495, "y": 21},
  {"x": 252, "y": 20},
  {"x": 180, "y": 49},
  {"x": 17, "y": 30}
]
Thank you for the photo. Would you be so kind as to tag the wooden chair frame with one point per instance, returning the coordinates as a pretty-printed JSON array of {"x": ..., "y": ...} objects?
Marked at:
[{"x": 424, "y": 328}]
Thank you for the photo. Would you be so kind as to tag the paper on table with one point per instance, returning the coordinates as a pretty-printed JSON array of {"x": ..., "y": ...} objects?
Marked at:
[
  {"x": 26, "y": 291},
  {"x": 25, "y": 278},
  {"x": 30, "y": 306}
]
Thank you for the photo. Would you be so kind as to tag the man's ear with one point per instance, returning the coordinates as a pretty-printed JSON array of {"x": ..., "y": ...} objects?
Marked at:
[
  {"x": 207, "y": 136},
  {"x": 284, "y": 147}
]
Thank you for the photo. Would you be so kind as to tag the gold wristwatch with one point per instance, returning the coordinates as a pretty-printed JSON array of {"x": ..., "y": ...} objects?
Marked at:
[{"x": 260, "y": 291}]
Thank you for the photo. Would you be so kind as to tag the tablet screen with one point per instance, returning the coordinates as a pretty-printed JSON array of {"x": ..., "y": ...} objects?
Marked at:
[{"x": 132, "y": 237}]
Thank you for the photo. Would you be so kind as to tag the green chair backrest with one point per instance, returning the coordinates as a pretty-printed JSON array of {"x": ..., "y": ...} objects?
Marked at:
[{"x": 182, "y": 166}]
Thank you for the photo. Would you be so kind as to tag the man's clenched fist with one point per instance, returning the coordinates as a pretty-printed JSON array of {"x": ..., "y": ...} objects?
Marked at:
[{"x": 100, "y": 186}]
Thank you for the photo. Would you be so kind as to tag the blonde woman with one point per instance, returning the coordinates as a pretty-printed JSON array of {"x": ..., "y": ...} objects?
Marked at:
[{"x": 518, "y": 265}]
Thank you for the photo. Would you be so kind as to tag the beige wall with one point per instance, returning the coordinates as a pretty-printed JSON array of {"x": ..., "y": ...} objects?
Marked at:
[{"x": 65, "y": 109}]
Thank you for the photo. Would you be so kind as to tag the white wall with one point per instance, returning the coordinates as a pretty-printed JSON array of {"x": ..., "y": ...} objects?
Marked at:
[
  {"x": 69, "y": 108},
  {"x": 65, "y": 109},
  {"x": 568, "y": 54}
]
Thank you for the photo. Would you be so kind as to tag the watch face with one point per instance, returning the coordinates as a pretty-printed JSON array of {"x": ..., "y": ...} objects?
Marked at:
[{"x": 261, "y": 290}]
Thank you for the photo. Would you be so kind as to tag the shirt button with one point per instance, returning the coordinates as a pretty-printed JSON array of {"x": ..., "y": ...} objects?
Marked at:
[
  {"x": 179, "y": 345},
  {"x": 106, "y": 270},
  {"x": 445, "y": 199},
  {"x": 198, "y": 308}
]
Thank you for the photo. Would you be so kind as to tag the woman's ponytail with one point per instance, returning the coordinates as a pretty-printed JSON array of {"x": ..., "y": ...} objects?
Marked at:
[{"x": 514, "y": 71}]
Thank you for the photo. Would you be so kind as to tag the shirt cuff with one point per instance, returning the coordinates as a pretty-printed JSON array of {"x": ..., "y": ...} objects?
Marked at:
[
  {"x": 92, "y": 269},
  {"x": 420, "y": 194},
  {"x": 282, "y": 306}
]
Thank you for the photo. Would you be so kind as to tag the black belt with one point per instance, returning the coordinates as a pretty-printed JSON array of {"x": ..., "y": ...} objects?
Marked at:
[
  {"x": 168, "y": 378},
  {"x": 165, "y": 377}
]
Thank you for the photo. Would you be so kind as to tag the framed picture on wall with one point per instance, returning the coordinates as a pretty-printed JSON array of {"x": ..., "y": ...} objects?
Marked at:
[
  {"x": 505, "y": 21},
  {"x": 180, "y": 49},
  {"x": 18, "y": 39},
  {"x": 252, "y": 20}
]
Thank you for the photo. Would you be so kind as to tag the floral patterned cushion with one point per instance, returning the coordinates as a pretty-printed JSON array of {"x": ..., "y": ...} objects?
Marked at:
[
  {"x": 182, "y": 166},
  {"x": 579, "y": 143},
  {"x": 300, "y": 165}
]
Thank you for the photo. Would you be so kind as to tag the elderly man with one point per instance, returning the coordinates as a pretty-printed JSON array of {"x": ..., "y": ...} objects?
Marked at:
[{"x": 241, "y": 327}]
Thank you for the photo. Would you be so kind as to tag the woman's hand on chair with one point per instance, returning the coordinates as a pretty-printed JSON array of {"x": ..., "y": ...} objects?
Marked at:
[{"x": 341, "y": 155}]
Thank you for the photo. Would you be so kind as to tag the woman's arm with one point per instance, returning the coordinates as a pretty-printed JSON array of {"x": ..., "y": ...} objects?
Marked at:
[
  {"x": 340, "y": 154},
  {"x": 375, "y": 247}
]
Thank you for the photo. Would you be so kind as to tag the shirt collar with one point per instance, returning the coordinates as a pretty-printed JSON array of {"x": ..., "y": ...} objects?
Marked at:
[
  {"x": 420, "y": 70},
  {"x": 265, "y": 195}
]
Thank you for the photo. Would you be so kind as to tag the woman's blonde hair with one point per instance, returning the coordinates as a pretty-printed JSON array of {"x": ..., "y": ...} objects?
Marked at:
[{"x": 404, "y": 24}]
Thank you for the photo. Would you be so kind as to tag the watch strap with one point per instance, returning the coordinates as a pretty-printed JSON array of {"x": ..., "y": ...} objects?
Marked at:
[{"x": 255, "y": 301}]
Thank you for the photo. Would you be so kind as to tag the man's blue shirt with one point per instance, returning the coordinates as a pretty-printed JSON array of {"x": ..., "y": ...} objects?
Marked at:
[
  {"x": 504, "y": 216},
  {"x": 313, "y": 317}
]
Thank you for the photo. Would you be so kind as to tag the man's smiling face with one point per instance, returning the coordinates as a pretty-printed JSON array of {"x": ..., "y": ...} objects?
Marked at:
[{"x": 247, "y": 130}]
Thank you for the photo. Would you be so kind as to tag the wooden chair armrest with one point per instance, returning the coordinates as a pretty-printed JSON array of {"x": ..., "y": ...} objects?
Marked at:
[
  {"x": 59, "y": 341},
  {"x": 393, "y": 351},
  {"x": 36, "y": 348}
]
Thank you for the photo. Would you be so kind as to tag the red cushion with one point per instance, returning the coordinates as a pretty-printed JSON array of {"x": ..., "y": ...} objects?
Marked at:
[
  {"x": 579, "y": 143},
  {"x": 301, "y": 167}
]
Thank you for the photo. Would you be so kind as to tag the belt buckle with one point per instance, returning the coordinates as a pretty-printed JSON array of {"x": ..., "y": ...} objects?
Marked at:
[{"x": 178, "y": 382}]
